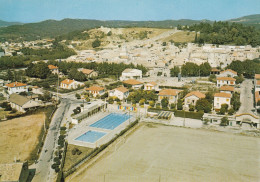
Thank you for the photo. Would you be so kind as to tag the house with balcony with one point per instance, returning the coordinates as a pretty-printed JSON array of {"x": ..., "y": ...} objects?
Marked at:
[
  {"x": 192, "y": 98},
  {"x": 151, "y": 86},
  {"x": 53, "y": 69},
  {"x": 227, "y": 89},
  {"x": 226, "y": 81},
  {"x": 88, "y": 72},
  {"x": 96, "y": 90},
  {"x": 135, "y": 84},
  {"x": 70, "y": 84},
  {"x": 16, "y": 87},
  {"x": 228, "y": 73},
  {"x": 221, "y": 98},
  {"x": 171, "y": 94},
  {"x": 120, "y": 92}
]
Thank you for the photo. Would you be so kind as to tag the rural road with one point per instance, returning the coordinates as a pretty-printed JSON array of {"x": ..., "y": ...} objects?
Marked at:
[
  {"x": 246, "y": 97},
  {"x": 43, "y": 166}
]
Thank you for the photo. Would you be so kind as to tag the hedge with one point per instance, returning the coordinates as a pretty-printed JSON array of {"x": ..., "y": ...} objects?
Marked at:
[{"x": 192, "y": 115}]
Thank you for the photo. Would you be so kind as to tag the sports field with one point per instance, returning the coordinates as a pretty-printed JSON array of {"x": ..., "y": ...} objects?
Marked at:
[{"x": 165, "y": 153}]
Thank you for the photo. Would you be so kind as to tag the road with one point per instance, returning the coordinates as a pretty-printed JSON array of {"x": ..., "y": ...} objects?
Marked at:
[
  {"x": 246, "y": 97},
  {"x": 43, "y": 166}
]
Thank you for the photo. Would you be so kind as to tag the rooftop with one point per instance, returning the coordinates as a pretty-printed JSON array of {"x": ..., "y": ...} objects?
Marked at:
[
  {"x": 87, "y": 71},
  {"x": 197, "y": 94},
  {"x": 226, "y": 78},
  {"x": 67, "y": 81},
  {"x": 52, "y": 67},
  {"x": 128, "y": 70},
  {"x": 16, "y": 84},
  {"x": 227, "y": 88},
  {"x": 122, "y": 89},
  {"x": 257, "y": 76},
  {"x": 152, "y": 83},
  {"x": 222, "y": 94},
  {"x": 132, "y": 82},
  {"x": 167, "y": 92},
  {"x": 95, "y": 88},
  {"x": 229, "y": 70}
]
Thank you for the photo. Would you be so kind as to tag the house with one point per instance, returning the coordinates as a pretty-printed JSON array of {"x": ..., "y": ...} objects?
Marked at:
[
  {"x": 37, "y": 90},
  {"x": 215, "y": 71},
  {"x": 15, "y": 172},
  {"x": 120, "y": 92},
  {"x": 96, "y": 90},
  {"x": 192, "y": 98},
  {"x": 225, "y": 81},
  {"x": 133, "y": 83},
  {"x": 227, "y": 89},
  {"x": 131, "y": 74},
  {"x": 221, "y": 98},
  {"x": 89, "y": 73},
  {"x": 257, "y": 82},
  {"x": 21, "y": 103},
  {"x": 151, "y": 86},
  {"x": 53, "y": 69},
  {"x": 70, "y": 84},
  {"x": 16, "y": 87},
  {"x": 257, "y": 97},
  {"x": 228, "y": 73},
  {"x": 171, "y": 94}
]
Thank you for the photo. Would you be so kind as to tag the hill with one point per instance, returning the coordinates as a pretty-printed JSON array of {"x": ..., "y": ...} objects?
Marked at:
[
  {"x": 5, "y": 23},
  {"x": 252, "y": 20}
]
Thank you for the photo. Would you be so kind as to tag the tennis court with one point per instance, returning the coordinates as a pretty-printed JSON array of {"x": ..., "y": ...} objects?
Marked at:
[{"x": 111, "y": 121}]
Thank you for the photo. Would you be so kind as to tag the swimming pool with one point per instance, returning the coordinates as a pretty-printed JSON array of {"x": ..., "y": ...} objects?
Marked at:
[
  {"x": 111, "y": 121},
  {"x": 91, "y": 136}
]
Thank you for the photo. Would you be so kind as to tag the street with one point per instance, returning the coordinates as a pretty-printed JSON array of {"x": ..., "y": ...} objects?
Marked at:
[{"x": 246, "y": 97}]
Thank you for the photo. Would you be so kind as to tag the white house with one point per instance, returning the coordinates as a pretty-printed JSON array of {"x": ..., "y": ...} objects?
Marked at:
[
  {"x": 192, "y": 98},
  {"x": 70, "y": 84},
  {"x": 227, "y": 89},
  {"x": 228, "y": 73},
  {"x": 89, "y": 73},
  {"x": 21, "y": 103},
  {"x": 16, "y": 87},
  {"x": 53, "y": 69},
  {"x": 120, "y": 92},
  {"x": 134, "y": 83},
  {"x": 225, "y": 81},
  {"x": 96, "y": 90},
  {"x": 151, "y": 86},
  {"x": 131, "y": 74},
  {"x": 257, "y": 82},
  {"x": 171, "y": 94},
  {"x": 221, "y": 98}
]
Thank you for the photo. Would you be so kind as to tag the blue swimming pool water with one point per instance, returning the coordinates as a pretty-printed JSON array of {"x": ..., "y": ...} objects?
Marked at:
[
  {"x": 111, "y": 121},
  {"x": 91, "y": 136}
]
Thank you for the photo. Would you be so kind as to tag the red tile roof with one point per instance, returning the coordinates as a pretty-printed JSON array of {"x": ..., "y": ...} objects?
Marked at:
[
  {"x": 257, "y": 82},
  {"x": 15, "y": 84},
  {"x": 122, "y": 89},
  {"x": 215, "y": 70},
  {"x": 227, "y": 88},
  {"x": 67, "y": 81},
  {"x": 222, "y": 94},
  {"x": 51, "y": 67},
  {"x": 152, "y": 83},
  {"x": 257, "y": 96},
  {"x": 226, "y": 78},
  {"x": 171, "y": 92},
  {"x": 230, "y": 70},
  {"x": 95, "y": 88},
  {"x": 197, "y": 94},
  {"x": 87, "y": 71},
  {"x": 257, "y": 76}
]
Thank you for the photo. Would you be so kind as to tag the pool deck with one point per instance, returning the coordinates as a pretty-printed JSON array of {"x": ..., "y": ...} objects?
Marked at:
[{"x": 84, "y": 126}]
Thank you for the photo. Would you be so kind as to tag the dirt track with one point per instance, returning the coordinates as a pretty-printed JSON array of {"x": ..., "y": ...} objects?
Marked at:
[{"x": 164, "y": 153}]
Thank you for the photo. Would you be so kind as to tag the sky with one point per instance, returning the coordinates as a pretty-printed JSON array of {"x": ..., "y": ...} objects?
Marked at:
[{"x": 38, "y": 10}]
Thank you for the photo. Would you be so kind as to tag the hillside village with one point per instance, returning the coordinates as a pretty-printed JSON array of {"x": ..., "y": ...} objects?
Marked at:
[{"x": 152, "y": 79}]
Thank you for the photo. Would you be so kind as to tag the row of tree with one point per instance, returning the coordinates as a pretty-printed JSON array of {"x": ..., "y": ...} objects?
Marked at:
[{"x": 191, "y": 69}]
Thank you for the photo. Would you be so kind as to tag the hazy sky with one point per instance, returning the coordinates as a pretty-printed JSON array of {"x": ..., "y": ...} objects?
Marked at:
[{"x": 38, "y": 10}]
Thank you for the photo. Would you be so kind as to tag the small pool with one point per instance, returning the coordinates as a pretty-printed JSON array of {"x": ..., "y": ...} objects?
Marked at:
[
  {"x": 91, "y": 136},
  {"x": 111, "y": 121}
]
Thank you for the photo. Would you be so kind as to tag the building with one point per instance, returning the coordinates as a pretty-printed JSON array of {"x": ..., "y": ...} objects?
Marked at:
[
  {"x": 227, "y": 89},
  {"x": 89, "y": 73},
  {"x": 151, "y": 86},
  {"x": 53, "y": 69},
  {"x": 120, "y": 92},
  {"x": 221, "y": 98},
  {"x": 70, "y": 84},
  {"x": 257, "y": 82},
  {"x": 171, "y": 94},
  {"x": 14, "y": 172},
  {"x": 228, "y": 73},
  {"x": 133, "y": 83},
  {"x": 96, "y": 90},
  {"x": 214, "y": 71},
  {"x": 21, "y": 103},
  {"x": 131, "y": 74},
  {"x": 16, "y": 87},
  {"x": 192, "y": 98},
  {"x": 225, "y": 81}
]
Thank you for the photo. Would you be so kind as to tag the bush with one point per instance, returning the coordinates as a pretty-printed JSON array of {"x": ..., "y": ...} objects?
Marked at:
[
  {"x": 231, "y": 111},
  {"x": 53, "y": 166},
  {"x": 57, "y": 169},
  {"x": 224, "y": 121},
  {"x": 63, "y": 128},
  {"x": 96, "y": 43},
  {"x": 191, "y": 107},
  {"x": 179, "y": 105},
  {"x": 192, "y": 115},
  {"x": 77, "y": 96}
]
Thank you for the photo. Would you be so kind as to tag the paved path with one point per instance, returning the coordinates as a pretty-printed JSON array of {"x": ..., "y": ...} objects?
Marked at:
[
  {"x": 246, "y": 97},
  {"x": 43, "y": 166}
]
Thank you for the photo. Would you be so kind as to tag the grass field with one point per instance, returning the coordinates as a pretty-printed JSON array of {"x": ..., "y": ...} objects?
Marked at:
[
  {"x": 165, "y": 153},
  {"x": 19, "y": 137},
  {"x": 181, "y": 37}
]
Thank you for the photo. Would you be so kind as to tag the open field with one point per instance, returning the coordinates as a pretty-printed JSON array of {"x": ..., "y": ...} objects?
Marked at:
[
  {"x": 19, "y": 137},
  {"x": 165, "y": 153},
  {"x": 181, "y": 37}
]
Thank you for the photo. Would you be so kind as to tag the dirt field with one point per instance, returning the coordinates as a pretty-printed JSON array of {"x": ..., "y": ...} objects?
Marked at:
[
  {"x": 19, "y": 137},
  {"x": 165, "y": 153},
  {"x": 181, "y": 37}
]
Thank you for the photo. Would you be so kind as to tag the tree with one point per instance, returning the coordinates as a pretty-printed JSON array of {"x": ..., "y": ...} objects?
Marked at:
[
  {"x": 151, "y": 103},
  {"x": 204, "y": 69},
  {"x": 77, "y": 110},
  {"x": 179, "y": 104},
  {"x": 10, "y": 75},
  {"x": 223, "y": 109},
  {"x": 203, "y": 105},
  {"x": 164, "y": 44},
  {"x": 77, "y": 96},
  {"x": 235, "y": 101},
  {"x": 38, "y": 70},
  {"x": 190, "y": 69},
  {"x": 239, "y": 79},
  {"x": 165, "y": 103},
  {"x": 191, "y": 107},
  {"x": 96, "y": 43},
  {"x": 212, "y": 78},
  {"x": 175, "y": 71},
  {"x": 224, "y": 121},
  {"x": 231, "y": 111},
  {"x": 109, "y": 33}
]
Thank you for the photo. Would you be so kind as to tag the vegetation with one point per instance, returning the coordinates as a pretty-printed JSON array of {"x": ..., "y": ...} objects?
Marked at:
[
  {"x": 138, "y": 95},
  {"x": 38, "y": 70},
  {"x": 235, "y": 101},
  {"x": 224, "y": 121},
  {"x": 203, "y": 105},
  {"x": 192, "y": 69},
  {"x": 225, "y": 33},
  {"x": 174, "y": 71}
]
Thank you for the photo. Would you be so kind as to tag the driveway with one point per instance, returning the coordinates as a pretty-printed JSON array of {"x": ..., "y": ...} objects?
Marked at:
[{"x": 246, "y": 97}]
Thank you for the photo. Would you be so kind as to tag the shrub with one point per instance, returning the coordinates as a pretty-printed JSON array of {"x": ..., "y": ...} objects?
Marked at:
[
  {"x": 57, "y": 169},
  {"x": 231, "y": 111},
  {"x": 179, "y": 105},
  {"x": 53, "y": 166},
  {"x": 63, "y": 128},
  {"x": 224, "y": 121},
  {"x": 191, "y": 107}
]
